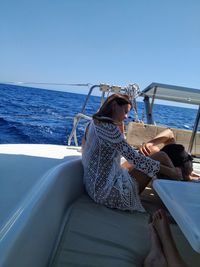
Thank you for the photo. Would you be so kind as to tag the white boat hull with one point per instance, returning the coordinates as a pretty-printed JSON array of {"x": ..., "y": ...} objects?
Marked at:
[{"x": 38, "y": 184}]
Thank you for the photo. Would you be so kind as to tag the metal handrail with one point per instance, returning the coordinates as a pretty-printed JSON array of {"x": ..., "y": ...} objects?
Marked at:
[
  {"x": 81, "y": 114},
  {"x": 75, "y": 124},
  {"x": 191, "y": 143}
]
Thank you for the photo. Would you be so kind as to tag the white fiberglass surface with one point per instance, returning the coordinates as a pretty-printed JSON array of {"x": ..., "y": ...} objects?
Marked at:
[{"x": 22, "y": 167}]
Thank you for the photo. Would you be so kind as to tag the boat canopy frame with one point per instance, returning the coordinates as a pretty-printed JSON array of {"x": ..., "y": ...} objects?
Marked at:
[{"x": 174, "y": 93}]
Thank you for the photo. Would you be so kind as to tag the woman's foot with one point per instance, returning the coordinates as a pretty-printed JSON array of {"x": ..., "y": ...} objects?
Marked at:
[
  {"x": 155, "y": 258},
  {"x": 161, "y": 224}
]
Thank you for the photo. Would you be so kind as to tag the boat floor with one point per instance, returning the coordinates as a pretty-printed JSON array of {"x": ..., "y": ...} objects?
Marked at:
[{"x": 96, "y": 236}]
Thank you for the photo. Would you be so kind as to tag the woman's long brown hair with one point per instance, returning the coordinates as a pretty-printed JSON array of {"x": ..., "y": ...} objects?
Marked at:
[{"x": 105, "y": 111}]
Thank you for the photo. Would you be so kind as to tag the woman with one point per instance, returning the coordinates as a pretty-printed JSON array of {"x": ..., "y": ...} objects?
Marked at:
[
  {"x": 175, "y": 152},
  {"x": 105, "y": 180}
]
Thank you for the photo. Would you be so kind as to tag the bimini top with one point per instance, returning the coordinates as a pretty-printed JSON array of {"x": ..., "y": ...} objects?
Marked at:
[{"x": 172, "y": 93}]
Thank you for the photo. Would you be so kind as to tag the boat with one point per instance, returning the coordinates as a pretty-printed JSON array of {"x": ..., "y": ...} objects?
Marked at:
[{"x": 48, "y": 220}]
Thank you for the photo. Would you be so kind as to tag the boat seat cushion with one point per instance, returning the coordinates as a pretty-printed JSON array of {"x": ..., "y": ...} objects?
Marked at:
[
  {"x": 96, "y": 236},
  {"x": 99, "y": 236}
]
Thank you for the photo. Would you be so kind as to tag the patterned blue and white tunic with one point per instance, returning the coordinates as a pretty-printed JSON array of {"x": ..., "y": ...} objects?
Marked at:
[{"x": 105, "y": 180}]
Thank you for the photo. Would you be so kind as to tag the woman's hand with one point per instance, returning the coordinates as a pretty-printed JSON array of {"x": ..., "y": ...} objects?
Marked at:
[
  {"x": 148, "y": 149},
  {"x": 194, "y": 177},
  {"x": 145, "y": 149}
]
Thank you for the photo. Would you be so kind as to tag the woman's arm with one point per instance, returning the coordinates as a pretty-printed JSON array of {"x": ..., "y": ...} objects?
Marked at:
[
  {"x": 110, "y": 135},
  {"x": 172, "y": 173},
  {"x": 140, "y": 162}
]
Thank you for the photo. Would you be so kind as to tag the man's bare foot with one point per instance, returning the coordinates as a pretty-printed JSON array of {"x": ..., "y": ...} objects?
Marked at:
[
  {"x": 155, "y": 258},
  {"x": 161, "y": 224}
]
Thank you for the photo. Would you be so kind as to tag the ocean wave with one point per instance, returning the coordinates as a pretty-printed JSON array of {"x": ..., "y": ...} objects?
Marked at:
[
  {"x": 12, "y": 132},
  {"x": 3, "y": 121}
]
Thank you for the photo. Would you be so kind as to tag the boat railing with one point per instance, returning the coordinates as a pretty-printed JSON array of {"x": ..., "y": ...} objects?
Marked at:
[
  {"x": 132, "y": 90},
  {"x": 75, "y": 124}
]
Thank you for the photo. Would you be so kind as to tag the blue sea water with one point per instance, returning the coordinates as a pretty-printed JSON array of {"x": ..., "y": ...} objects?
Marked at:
[{"x": 31, "y": 115}]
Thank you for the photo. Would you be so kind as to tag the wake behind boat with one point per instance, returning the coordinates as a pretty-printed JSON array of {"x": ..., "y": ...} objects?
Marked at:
[{"x": 48, "y": 220}]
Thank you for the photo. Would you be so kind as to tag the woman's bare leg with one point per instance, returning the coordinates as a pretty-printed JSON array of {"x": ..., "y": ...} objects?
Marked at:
[
  {"x": 170, "y": 250},
  {"x": 143, "y": 179},
  {"x": 155, "y": 257},
  {"x": 163, "y": 138}
]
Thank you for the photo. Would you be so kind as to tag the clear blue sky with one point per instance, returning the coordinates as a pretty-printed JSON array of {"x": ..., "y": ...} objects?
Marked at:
[{"x": 101, "y": 41}]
